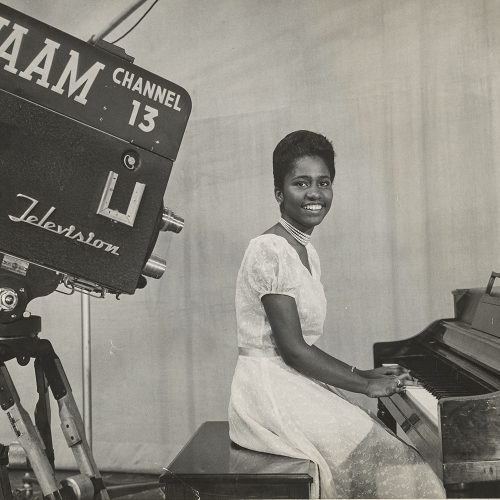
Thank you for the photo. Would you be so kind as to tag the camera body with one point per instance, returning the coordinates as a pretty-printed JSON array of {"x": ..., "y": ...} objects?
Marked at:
[{"x": 87, "y": 144}]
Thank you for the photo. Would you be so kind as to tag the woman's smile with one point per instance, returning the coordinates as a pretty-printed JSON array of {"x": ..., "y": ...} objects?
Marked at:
[{"x": 313, "y": 207}]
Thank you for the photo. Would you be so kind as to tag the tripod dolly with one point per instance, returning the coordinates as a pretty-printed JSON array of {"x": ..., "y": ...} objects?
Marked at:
[{"x": 19, "y": 340}]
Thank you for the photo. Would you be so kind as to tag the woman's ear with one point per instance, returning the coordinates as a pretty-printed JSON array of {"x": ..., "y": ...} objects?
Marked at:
[{"x": 278, "y": 194}]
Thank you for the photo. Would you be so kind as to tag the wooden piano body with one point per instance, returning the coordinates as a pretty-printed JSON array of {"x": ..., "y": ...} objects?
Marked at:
[{"x": 454, "y": 419}]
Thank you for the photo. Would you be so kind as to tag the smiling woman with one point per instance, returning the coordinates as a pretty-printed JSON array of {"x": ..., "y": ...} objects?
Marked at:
[
  {"x": 306, "y": 195},
  {"x": 280, "y": 401}
]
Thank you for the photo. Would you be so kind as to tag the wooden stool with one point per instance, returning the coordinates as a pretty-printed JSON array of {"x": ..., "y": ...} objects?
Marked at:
[{"x": 210, "y": 464}]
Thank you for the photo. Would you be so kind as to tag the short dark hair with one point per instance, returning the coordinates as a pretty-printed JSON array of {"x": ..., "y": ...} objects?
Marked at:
[{"x": 297, "y": 145}]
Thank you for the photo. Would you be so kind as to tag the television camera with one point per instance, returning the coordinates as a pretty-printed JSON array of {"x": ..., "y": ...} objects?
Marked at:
[{"x": 87, "y": 145}]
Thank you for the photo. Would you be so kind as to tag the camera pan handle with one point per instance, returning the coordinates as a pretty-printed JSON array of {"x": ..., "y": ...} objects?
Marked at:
[{"x": 490, "y": 283}]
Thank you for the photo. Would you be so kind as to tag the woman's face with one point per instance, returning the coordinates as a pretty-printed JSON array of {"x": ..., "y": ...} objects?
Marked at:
[{"x": 307, "y": 193}]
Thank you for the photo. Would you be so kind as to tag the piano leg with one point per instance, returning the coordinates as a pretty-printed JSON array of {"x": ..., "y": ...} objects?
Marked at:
[{"x": 386, "y": 418}]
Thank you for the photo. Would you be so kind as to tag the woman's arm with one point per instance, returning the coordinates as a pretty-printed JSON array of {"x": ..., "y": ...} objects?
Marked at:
[{"x": 283, "y": 316}]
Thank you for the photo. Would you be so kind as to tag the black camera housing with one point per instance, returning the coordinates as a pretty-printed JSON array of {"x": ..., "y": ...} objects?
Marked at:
[{"x": 87, "y": 145}]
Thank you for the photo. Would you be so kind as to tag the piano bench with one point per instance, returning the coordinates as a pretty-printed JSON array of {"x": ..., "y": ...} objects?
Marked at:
[{"x": 213, "y": 466}]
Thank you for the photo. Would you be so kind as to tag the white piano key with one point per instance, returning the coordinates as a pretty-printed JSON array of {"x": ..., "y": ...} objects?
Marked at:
[{"x": 424, "y": 400}]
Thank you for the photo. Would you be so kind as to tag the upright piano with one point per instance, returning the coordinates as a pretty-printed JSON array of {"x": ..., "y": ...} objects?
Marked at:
[{"x": 453, "y": 419}]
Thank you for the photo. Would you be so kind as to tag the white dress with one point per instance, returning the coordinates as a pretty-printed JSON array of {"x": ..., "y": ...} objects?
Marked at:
[{"x": 275, "y": 409}]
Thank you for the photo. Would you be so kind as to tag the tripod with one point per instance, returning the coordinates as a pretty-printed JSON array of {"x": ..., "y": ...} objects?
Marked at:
[
  {"x": 20, "y": 283},
  {"x": 20, "y": 340}
]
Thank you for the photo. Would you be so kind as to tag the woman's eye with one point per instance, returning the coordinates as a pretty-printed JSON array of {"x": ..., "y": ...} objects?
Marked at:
[
  {"x": 301, "y": 183},
  {"x": 325, "y": 183}
]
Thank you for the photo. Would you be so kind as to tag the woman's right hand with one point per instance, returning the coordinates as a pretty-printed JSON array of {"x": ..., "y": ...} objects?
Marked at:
[{"x": 388, "y": 385}]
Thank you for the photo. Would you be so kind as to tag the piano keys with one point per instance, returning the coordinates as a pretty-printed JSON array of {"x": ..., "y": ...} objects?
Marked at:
[
  {"x": 453, "y": 419},
  {"x": 425, "y": 400}
]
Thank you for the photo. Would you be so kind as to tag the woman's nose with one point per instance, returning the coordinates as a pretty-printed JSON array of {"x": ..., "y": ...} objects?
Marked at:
[{"x": 313, "y": 193}]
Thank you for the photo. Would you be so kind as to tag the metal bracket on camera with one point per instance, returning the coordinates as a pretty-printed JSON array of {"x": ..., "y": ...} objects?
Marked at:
[{"x": 83, "y": 286}]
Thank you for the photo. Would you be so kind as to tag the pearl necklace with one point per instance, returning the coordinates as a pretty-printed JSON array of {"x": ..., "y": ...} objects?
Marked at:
[{"x": 301, "y": 237}]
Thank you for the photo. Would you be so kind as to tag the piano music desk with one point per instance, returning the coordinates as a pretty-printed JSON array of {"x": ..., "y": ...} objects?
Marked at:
[{"x": 210, "y": 463}]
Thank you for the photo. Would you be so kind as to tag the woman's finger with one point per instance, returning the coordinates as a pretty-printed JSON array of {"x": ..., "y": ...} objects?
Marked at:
[
  {"x": 405, "y": 376},
  {"x": 395, "y": 368},
  {"x": 411, "y": 383},
  {"x": 392, "y": 370}
]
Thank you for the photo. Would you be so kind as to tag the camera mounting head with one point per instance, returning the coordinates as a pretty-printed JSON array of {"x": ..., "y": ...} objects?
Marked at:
[{"x": 20, "y": 283}]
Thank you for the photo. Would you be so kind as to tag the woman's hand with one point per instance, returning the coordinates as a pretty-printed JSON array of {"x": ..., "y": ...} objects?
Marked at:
[
  {"x": 388, "y": 385},
  {"x": 383, "y": 370}
]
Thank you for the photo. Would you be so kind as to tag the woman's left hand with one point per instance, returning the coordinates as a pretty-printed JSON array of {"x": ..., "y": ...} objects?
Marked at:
[{"x": 385, "y": 370}]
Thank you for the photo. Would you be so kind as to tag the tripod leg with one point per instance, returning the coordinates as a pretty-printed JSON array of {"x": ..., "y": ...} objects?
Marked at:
[
  {"x": 71, "y": 421},
  {"x": 27, "y": 435},
  {"x": 74, "y": 432},
  {"x": 42, "y": 411},
  {"x": 5, "y": 488}
]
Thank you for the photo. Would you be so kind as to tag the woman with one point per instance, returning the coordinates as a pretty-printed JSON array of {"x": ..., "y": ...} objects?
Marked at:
[{"x": 280, "y": 401}]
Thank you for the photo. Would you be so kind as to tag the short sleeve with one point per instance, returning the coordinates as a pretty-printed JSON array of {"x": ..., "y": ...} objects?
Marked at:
[{"x": 270, "y": 267}]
